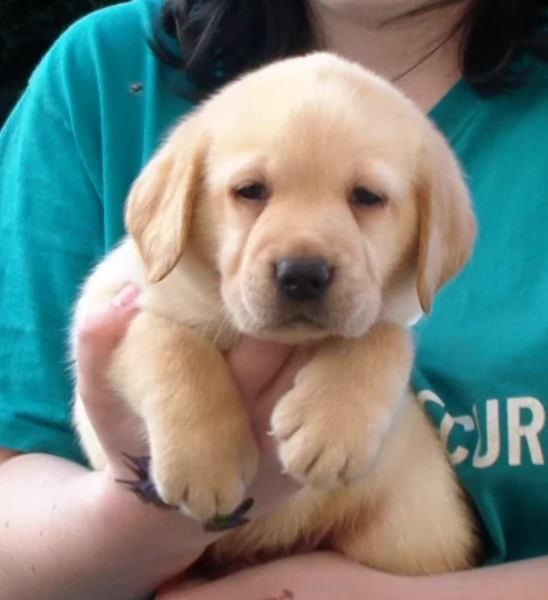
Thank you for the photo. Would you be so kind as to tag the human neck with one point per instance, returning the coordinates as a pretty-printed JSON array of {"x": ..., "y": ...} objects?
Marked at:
[{"x": 406, "y": 51}]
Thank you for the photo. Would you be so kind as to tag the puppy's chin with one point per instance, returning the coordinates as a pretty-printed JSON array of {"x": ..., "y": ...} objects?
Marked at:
[{"x": 301, "y": 329}]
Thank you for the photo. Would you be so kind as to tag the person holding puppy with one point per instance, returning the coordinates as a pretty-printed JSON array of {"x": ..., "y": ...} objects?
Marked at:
[{"x": 95, "y": 110}]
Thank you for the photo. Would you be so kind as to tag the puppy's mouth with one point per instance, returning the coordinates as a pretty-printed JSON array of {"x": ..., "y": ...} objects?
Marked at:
[
  {"x": 297, "y": 328},
  {"x": 301, "y": 320}
]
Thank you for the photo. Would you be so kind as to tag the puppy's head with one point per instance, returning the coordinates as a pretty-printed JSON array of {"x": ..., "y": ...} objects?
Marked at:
[{"x": 320, "y": 195}]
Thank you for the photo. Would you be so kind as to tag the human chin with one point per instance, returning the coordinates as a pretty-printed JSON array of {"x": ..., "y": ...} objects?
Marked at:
[{"x": 370, "y": 9}]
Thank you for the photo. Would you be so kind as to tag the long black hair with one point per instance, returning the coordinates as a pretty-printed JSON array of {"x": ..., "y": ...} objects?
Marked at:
[{"x": 220, "y": 39}]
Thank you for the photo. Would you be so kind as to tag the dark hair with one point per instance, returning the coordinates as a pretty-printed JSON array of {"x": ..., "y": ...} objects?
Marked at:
[{"x": 220, "y": 39}]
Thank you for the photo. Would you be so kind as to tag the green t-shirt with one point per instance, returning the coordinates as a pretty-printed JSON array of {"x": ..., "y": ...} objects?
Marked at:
[
  {"x": 95, "y": 110},
  {"x": 482, "y": 364}
]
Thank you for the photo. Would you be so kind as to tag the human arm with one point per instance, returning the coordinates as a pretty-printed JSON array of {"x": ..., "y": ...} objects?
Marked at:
[
  {"x": 326, "y": 576},
  {"x": 69, "y": 533}
]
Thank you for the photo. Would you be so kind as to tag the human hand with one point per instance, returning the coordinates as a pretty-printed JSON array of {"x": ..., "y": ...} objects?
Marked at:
[
  {"x": 263, "y": 372},
  {"x": 97, "y": 336}
]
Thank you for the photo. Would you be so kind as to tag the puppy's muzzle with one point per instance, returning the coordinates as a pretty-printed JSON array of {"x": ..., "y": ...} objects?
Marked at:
[{"x": 303, "y": 279}]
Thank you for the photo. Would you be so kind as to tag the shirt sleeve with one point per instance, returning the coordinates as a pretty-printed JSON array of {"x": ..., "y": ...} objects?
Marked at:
[{"x": 51, "y": 233}]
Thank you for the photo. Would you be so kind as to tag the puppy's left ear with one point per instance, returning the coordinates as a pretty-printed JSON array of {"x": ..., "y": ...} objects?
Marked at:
[
  {"x": 161, "y": 202},
  {"x": 446, "y": 220}
]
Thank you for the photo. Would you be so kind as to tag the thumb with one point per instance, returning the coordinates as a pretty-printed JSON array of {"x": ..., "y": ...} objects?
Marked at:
[{"x": 99, "y": 333}]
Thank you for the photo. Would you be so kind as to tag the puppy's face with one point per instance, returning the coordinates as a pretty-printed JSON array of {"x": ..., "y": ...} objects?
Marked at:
[
  {"x": 319, "y": 212},
  {"x": 311, "y": 187}
]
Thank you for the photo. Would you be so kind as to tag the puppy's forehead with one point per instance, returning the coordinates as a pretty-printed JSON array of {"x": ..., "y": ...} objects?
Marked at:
[{"x": 313, "y": 104}]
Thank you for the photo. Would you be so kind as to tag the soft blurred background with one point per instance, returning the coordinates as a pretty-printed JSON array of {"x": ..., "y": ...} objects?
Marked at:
[{"x": 27, "y": 30}]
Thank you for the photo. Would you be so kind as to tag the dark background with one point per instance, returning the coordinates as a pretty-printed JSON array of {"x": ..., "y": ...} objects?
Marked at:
[{"x": 27, "y": 30}]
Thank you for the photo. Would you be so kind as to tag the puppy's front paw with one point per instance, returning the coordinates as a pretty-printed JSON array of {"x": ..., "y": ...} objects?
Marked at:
[
  {"x": 204, "y": 475},
  {"x": 324, "y": 440}
]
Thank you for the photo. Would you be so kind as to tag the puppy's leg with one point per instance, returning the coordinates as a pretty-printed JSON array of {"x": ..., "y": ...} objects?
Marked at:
[
  {"x": 330, "y": 426},
  {"x": 203, "y": 452},
  {"x": 417, "y": 520}
]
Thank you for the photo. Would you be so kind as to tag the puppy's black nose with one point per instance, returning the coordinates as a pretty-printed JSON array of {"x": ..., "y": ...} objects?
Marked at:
[{"x": 303, "y": 278}]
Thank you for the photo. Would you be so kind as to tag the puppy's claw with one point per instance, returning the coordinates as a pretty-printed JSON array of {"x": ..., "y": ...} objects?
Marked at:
[
  {"x": 343, "y": 472},
  {"x": 285, "y": 436},
  {"x": 232, "y": 521},
  {"x": 143, "y": 487},
  {"x": 312, "y": 464}
]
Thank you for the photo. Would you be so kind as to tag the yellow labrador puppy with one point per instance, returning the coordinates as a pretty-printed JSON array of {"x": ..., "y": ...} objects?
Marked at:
[{"x": 309, "y": 200}]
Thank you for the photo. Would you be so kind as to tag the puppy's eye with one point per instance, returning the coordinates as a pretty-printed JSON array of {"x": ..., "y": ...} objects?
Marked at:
[
  {"x": 253, "y": 191},
  {"x": 364, "y": 197}
]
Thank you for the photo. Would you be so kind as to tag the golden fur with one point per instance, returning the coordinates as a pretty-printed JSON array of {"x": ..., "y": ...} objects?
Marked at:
[{"x": 377, "y": 484}]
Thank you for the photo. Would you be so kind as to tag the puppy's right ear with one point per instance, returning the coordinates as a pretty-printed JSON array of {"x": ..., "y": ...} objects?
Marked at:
[{"x": 161, "y": 201}]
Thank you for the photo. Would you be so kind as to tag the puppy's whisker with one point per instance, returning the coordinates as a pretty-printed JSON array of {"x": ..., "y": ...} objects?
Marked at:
[
  {"x": 212, "y": 327},
  {"x": 223, "y": 325}
]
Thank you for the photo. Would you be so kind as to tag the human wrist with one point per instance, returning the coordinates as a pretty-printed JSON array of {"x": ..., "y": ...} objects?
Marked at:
[{"x": 166, "y": 534}]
